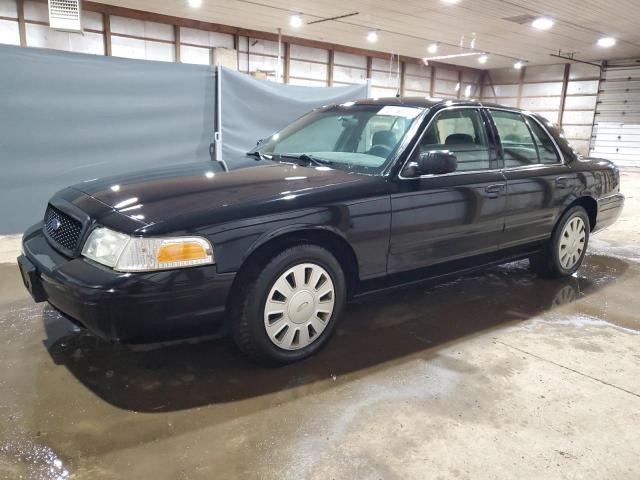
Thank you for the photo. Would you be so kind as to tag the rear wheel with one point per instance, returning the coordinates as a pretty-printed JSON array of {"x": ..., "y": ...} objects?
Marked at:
[
  {"x": 289, "y": 308},
  {"x": 564, "y": 253}
]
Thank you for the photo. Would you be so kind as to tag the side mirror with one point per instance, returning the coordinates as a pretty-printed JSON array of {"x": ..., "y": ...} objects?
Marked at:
[
  {"x": 433, "y": 163},
  {"x": 259, "y": 142}
]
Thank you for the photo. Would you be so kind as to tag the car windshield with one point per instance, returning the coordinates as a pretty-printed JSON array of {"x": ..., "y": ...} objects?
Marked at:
[{"x": 361, "y": 138}]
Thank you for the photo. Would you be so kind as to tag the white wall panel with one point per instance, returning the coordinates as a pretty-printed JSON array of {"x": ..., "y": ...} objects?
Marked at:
[
  {"x": 314, "y": 71},
  {"x": 384, "y": 64},
  {"x": 260, "y": 62},
  {"x": 417, "y": 70},
  {"x": 580, "y": 71},
  {"x": 140, "y": 28},
  {"x": 577, "y": 132},
  {"x": 308, "y": 53},
  {"x": 224, "y": 40},
  {"x": 36, "y": 11},
  {"x": 544, "y": 73},
  {"x": 263, "y": 46},
  {"x": 540, "y": 103},
  {"x": 379, "y": 92},
  {"x": 41, "y": 36},
  {"x": 504, "y": 75},
  {"x": 92, "y": 21},
  {"x": 348, "y": 74},
  {"x": 194, "y": 36},
  {"x": 577, "y": 118},
  {"x": 551, "y": 116},
  {"x": 142, "y": 49},
  {"x": 443, "y": 73},
  {"x": 8, "y": 8},
  {"x": 502, "y": 91},
  {"x": 580, "y": 103},
  {"x": 417, "y": 84},
  {"x": 307, "y": 82},
  {"x": 197, "y": 55},
  {"x": 583, "y": 87},
  {"x": 383, "y": 79},
  {"x": 507, "y": 102},
  {"x": 350, "y": 60},
  {"x": 541, "y": 89},
  {"x": 9, "y": 32}
]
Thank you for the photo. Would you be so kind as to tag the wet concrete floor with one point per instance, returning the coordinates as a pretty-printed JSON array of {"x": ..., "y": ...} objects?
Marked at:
[{"x": 493, "y": 375}]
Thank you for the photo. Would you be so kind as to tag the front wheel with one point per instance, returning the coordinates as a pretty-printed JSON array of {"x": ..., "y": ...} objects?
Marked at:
[
  {"x": 289, "y": 308},
  {"x": 564, "y": 253}
]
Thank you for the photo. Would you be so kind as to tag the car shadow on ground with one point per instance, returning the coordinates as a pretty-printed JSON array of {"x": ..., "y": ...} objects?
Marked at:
[{"x": 387, "y": 328}]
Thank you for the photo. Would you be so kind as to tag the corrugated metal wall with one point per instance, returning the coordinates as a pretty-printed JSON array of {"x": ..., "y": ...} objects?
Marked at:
[
  {"x": 563, "y": 93},
  {"x": 616, "y": 132}
]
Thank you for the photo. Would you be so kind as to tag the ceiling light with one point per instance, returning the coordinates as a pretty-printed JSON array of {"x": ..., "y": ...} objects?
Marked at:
[
  {"x": 518, "y": 65},
  {"x": 372, "y": 36},
  {"x": 195, "y": 3},
  {"x": 295, "y": 20},
  {"x": 451, "y": 1},
  {"x": 606, "y": 42},
  {"x": 542, "y": 23},
  {"x": 432, "y": 48},
  {"x": 483, "y": 58}
]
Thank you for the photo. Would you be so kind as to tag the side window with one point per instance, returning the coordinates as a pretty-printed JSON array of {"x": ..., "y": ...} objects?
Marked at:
[
  {"x": 517, "y": 143},
  {"x": 546, "y": 149},
  {"x": 461, "y": 132}
]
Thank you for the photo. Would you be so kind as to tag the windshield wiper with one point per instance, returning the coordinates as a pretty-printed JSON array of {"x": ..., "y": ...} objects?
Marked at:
[
  {"x": 256, "y": 154},
  {"x": 309, "y": 159}
]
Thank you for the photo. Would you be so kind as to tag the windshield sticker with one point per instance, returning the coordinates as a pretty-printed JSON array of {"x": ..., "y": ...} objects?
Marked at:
[{"x": 396, "y": 111}]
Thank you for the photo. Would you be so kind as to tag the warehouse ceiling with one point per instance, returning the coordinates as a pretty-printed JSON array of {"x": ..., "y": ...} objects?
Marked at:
[{"x": 502, "y": 28}]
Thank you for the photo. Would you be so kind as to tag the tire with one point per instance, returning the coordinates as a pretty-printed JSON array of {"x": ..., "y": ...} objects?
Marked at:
[
  {"x": 300, "y": 317},
  {"x": 562, "y": 256}
]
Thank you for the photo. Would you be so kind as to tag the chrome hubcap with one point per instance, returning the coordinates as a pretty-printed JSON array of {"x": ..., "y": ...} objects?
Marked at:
[
  {"x": 299, "y": 306},
  {"x": 572, "y": 243}
]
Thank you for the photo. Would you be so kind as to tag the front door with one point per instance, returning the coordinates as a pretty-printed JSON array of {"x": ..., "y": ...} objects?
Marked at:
[{"x": 437, "y": 218}]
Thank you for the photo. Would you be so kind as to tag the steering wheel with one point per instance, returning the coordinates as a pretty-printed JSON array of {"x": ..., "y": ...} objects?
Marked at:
[{"x": 380, "y": 150}]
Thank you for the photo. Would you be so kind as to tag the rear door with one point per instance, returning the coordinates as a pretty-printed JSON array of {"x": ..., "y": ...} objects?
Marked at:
[
  {"x": 437, "y": 218},
  {"x": 538, "y": 182}
]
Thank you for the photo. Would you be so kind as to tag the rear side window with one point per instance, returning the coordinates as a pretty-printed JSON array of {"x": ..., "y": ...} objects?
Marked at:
[
  {"x": 546, "y": 149},
  {"x": 461, "y": 132},
  {"x": 517, "y": 142}
]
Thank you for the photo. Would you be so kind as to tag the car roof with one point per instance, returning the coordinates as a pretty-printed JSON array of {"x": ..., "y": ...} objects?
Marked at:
[{"x": 427, "y": 102}]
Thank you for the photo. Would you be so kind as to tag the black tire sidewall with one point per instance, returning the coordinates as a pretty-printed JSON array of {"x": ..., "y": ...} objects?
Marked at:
[
  {"x": 254, "y": 308},
  {"x": 573, "y": 212}
]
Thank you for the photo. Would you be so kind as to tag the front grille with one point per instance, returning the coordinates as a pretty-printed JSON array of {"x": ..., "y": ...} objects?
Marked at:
[{"x": 62, "y": 229}]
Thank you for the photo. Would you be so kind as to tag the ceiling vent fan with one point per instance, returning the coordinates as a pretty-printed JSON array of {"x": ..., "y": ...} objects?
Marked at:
[
  {"x": 521, "y": 19},
  {"x": 65, "y": 15}
]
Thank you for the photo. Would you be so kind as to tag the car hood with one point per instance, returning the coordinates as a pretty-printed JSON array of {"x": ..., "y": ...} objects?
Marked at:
[{"x": 184, "y": 198}]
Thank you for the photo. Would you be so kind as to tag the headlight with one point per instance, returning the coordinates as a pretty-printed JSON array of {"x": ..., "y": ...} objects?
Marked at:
[{"x": 136, "y": 254}]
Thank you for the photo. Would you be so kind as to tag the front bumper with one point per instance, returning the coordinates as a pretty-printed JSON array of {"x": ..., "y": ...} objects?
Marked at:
[{"x": 126, "y": 307}]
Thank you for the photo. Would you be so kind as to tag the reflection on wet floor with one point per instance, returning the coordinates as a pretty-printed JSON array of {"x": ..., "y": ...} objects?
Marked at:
[
  {"x": 375, "y": 331},
  {"x": 48, "y": 429}
]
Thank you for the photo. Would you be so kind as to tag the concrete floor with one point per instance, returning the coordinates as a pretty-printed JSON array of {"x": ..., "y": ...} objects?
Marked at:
[{"x": 494, "y": 375}]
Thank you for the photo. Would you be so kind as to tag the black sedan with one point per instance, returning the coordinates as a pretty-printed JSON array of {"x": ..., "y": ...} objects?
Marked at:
[{"x": 349, "y": 200}]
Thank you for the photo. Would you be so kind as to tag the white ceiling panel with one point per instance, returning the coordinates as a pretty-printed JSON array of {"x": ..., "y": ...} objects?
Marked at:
[{"x": 407, "y": 27}]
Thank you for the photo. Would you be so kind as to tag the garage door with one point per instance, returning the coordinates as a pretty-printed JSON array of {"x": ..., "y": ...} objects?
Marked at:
[{"x": 616, "y": 133}]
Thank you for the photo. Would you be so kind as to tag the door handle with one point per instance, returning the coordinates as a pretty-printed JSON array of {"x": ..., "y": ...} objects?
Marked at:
[
  {"x": 562, "y": 182},
  {"x": 494, "y": 191}
]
